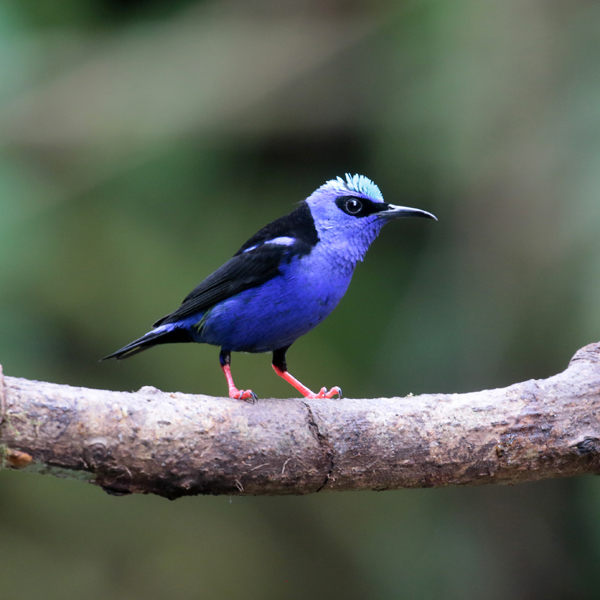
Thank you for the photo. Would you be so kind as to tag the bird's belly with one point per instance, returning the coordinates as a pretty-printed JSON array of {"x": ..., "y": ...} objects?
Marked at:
[{"x": 273, "y": 315}]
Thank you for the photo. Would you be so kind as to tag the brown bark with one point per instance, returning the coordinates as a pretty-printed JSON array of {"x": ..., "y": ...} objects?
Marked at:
[{"x": 175, "y": 444}]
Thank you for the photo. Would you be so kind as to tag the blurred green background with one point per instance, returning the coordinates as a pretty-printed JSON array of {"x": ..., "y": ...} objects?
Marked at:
[{"x": 142, "y": 142}]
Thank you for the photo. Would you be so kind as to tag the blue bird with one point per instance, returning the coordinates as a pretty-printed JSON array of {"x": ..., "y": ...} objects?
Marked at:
[{"x": 282, "y": 282}]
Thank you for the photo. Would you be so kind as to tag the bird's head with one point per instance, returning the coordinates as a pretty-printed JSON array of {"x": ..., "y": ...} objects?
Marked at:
[{"x": 352, "y": 211}]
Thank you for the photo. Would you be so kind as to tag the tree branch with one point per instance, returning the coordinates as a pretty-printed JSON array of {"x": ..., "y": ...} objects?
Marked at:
[{"x": 175, "y": 444}]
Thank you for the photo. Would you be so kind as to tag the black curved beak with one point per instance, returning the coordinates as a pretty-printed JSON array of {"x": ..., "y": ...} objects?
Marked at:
[{"x": 400, "y": 212}]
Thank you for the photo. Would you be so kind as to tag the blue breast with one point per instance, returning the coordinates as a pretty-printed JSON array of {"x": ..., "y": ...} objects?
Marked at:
[{"x": 277, "y": 313}]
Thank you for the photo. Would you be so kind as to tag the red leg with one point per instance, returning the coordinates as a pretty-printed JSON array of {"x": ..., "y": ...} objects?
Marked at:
[
  {"x": 247, "y": 395},
  {"x": 323, "y": 393}
]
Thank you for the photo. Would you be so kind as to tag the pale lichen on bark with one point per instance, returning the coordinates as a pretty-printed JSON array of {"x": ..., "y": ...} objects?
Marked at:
[{"x": 175, "y": 444}]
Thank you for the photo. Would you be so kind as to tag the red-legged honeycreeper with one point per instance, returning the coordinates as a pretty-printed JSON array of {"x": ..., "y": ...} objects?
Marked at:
[{"x": 283, "y": 281}]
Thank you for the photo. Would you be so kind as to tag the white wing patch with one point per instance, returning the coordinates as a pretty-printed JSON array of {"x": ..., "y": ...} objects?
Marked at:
[{"x": 280, "y": 241}]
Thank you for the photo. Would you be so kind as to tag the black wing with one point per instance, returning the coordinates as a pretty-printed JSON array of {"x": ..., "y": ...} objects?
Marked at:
[
  {"x": 255, "y": 263},
  {"x": 240, "y": 273},
  {"x": 299, "y": 224}
]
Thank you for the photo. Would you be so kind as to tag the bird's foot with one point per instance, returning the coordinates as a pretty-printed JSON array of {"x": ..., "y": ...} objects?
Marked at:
[
  {"x": 324, "y": 393},
  {"x": 246, "y": 395},
  {"x": 306, "y": 392}
]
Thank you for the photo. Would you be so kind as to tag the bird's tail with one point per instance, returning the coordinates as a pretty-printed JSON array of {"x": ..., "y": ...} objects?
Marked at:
[{"x": 152, "y": 338}]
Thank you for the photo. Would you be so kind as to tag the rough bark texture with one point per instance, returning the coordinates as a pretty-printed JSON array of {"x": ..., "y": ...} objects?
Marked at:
[{"x": 175, "y": 444}]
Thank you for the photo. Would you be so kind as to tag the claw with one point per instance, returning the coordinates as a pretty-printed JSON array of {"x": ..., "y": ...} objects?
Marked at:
[
  {"x": 336, "y": 390},
  {"x": 246, "y": 395},
  {"x": 324, "y": 393}
]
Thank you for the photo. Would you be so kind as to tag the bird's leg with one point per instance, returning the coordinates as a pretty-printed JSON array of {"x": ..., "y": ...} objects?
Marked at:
[
  {"x": 280, "y": 367},
  {"x": 248, "y": 395}
]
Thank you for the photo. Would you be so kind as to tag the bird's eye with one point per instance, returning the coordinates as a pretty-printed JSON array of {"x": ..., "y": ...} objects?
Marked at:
[{"x": 353, "y": 206}]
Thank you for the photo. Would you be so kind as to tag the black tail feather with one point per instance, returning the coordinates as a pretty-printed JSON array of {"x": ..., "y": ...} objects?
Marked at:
[{"x": 150, "y": 339}]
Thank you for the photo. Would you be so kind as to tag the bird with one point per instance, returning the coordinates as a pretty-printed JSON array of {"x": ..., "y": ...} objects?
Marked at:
[{"x": 282, "y": 282}]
